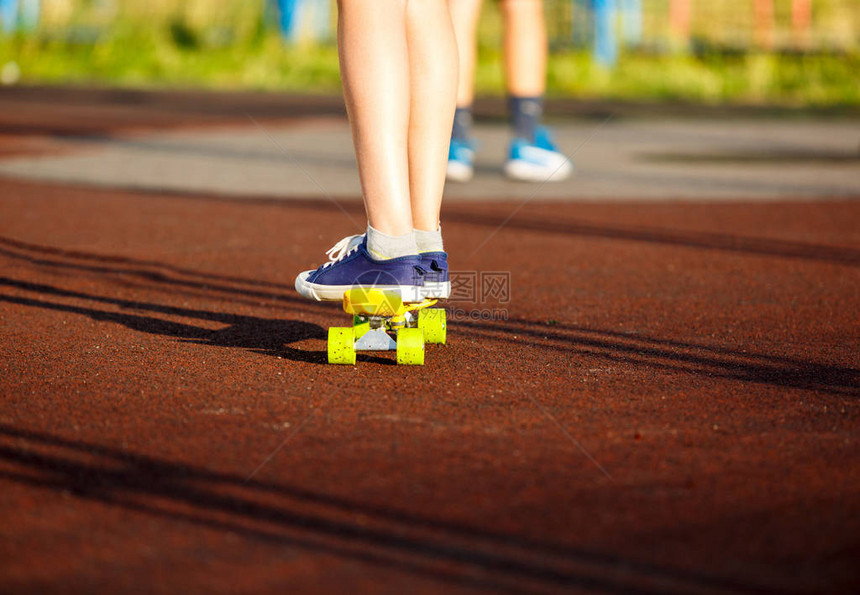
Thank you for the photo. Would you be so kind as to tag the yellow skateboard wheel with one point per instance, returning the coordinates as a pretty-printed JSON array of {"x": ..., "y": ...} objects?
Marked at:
[
  {"x": 434, "y": 324},
  {"x": 341, "y": 345},
  {"x": 410, "y": 347}
]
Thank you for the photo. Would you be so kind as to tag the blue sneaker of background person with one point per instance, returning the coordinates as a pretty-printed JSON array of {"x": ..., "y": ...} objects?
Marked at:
[
  {"x": 436, "y": 282},
  {"x": 461, "y": 160},
  {"x": 540, "y": 161},
  {"x": 350, "y": 265}
]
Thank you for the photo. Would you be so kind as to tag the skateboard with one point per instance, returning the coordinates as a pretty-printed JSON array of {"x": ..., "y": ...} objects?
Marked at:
[{"x": 382, "y": 321}]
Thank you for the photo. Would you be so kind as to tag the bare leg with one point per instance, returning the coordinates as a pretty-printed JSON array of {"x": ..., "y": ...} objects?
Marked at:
[
  {"x": 525, "y": 47},
  {"x": 433, "y": 90},
  {"x": 374, "y": 66},
  {"x": 464, "y": 15}
]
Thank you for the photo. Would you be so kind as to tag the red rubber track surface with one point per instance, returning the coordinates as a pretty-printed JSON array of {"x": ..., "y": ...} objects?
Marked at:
[{"x": 671, "y": 404}]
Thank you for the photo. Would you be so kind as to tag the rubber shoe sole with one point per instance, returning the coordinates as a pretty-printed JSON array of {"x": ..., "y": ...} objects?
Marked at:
[
  {"x": 526, "y": 171},
  {"x": 436, "y": 290},
  {"x": 334, "y": 293},
  {"x": 457, "y": 171}
]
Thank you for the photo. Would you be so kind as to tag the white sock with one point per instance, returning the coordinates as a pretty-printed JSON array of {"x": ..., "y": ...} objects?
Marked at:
[
  {"x": 384, "y": 247},
  {"x": 429, "y": 241}
]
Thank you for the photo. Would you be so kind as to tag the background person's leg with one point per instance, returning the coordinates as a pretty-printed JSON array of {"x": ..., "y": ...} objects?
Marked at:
[
  {"x": 464, "y": 17},
  {"x": 525, "y": 47},
  {"x": 525, "y": 51},
  {"x": 461, "y": 155},
  {"x": 433, "y": 87},
  {"x": 532, "y": 155},
  {"x": 374, "y": 68}
]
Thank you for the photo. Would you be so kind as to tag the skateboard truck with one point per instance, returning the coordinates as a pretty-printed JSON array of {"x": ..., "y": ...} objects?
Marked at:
[{"x": 382, "y": 321}]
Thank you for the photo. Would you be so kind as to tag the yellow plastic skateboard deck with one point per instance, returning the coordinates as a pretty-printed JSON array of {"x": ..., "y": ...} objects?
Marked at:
[{"x": 376, "y": 316}]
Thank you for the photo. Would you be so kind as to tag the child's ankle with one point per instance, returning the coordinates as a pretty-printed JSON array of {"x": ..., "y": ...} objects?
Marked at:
[
  {"x": 462, "y": 128},
  {"x": 385, "y": 247},
  {"x": 429, "y": 241}
]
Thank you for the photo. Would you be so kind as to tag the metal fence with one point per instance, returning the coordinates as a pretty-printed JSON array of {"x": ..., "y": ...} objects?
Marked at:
[
  {"x": 610, "y": 26},
  {"x": 605, "y": 26}
]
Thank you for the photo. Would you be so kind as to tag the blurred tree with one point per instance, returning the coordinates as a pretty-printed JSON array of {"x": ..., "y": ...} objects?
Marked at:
[{"x": 581, "y": 29}]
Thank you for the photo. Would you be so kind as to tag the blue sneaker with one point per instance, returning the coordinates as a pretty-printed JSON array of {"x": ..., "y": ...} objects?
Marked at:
[
  {"x": 350, "y": 265},
  {"x": 436, "y": 282},
  {"x": 461, "y": 160},
  {"x": 540, "y": 161}
]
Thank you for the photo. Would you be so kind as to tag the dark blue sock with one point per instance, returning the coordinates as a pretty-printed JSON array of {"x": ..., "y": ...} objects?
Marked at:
[
  {"x": 462, "y": 123},
  {"x": 526, "y": 115}
]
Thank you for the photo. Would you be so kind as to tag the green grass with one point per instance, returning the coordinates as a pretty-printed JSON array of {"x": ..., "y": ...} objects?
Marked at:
[
  {"x": 175, "y": 55},
  {"x": 748, "y": 78}
]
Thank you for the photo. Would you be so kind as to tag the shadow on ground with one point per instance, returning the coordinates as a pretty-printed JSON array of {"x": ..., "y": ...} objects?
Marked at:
[
  {"x": 273, "y": 336},
  {"x": 787, "y": 156},
  {"x": 315, "y": 522}
]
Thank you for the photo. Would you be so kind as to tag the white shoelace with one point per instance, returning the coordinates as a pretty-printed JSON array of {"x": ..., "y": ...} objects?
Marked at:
[{"x": 343, "y": 248}]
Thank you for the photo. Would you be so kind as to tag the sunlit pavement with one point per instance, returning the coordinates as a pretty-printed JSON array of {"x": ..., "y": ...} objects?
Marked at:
[{"x": 616, "y": 159}]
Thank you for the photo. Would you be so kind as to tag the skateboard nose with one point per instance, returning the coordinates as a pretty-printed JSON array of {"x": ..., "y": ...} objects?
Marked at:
[{"x": 372, "y": 302}]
